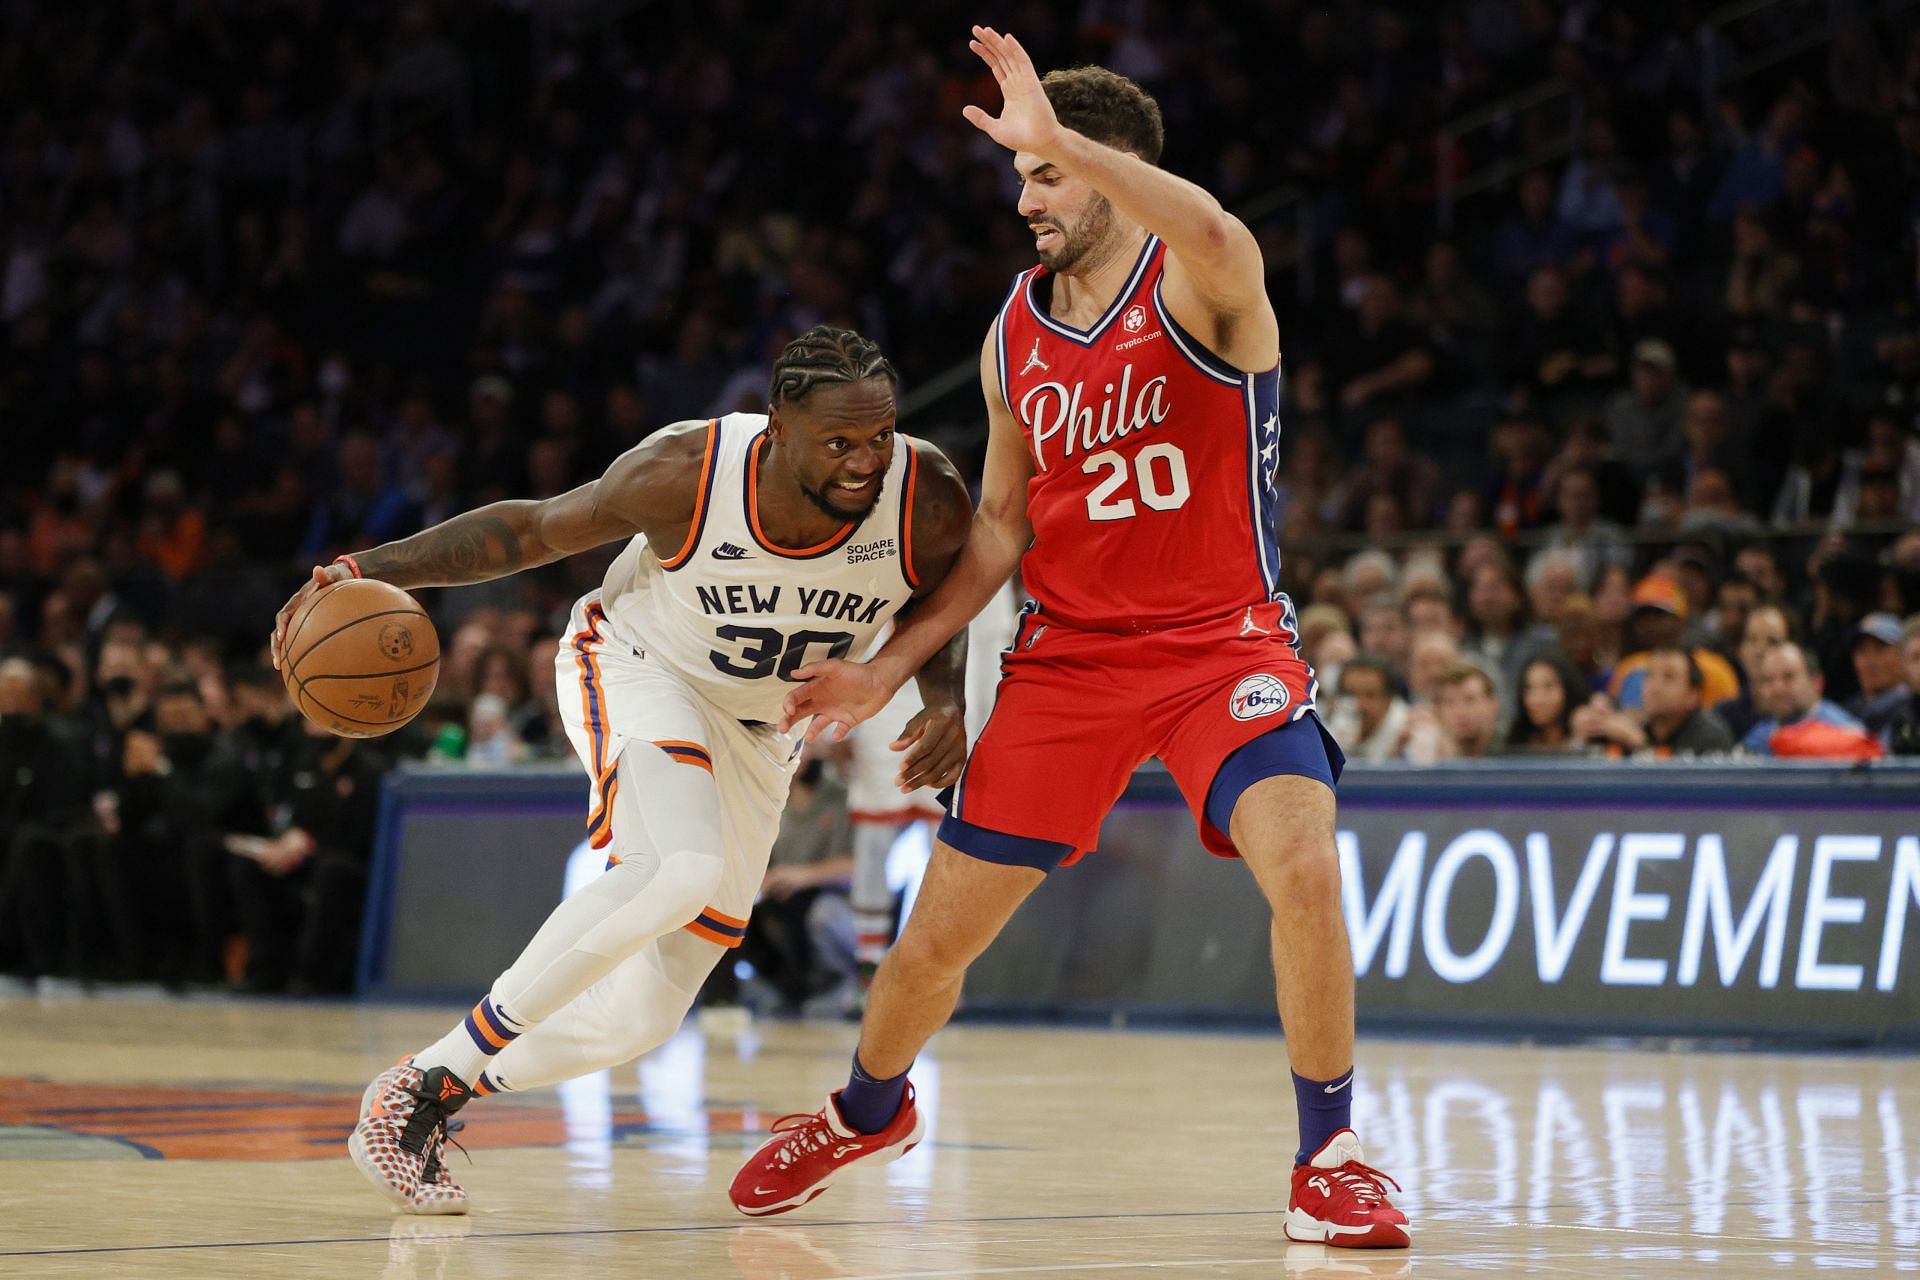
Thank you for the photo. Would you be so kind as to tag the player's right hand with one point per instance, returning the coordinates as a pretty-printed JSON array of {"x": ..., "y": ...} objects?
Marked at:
[
  {"x": 838, "y": 695},
  {"x": 323, "y": 574}
]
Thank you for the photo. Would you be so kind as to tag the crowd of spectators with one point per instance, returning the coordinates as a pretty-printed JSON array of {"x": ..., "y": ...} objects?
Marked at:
[{"x": 1624, "y": 461}]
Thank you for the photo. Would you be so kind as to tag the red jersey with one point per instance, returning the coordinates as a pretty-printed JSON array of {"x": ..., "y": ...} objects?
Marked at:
[{"x": 1155, "y": 462}]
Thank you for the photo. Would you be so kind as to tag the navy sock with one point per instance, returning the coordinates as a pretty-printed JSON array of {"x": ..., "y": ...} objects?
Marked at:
[
  {"x": 869, "y": 1105},
  {"x": 1326, "y": 1107}
]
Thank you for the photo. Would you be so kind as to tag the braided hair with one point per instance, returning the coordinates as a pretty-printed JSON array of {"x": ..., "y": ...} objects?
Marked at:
[{"x": 825, "y": 354}]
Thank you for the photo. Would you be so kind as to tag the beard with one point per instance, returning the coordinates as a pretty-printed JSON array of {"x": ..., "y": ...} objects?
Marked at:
[
  {"x": 1076, "y": 241},
  {"x": 823, "y": 498}
]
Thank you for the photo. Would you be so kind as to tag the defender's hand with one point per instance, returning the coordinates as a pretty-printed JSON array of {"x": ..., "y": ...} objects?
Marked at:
[
  {"x": 323, "y": 574},
  {"x": 1026, "y": 121},
  {"x": 838, "y": 694},
  {"x": 936, "y": 745}
]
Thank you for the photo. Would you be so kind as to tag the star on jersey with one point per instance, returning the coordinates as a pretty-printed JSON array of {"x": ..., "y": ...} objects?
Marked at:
[
  {"x": 1034, "y": 361},
  {"x": 1270, "y": 451}
]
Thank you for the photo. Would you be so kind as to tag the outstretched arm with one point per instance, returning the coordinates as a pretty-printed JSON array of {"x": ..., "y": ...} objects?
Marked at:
[
  {"x": 839, "y": 694},
  {"x": 1215, "y": 281},
  {"x": 645, "y": 488}
]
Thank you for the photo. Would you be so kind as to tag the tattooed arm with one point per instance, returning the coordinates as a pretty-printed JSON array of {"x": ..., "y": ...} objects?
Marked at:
[{"x": 649, "y": 489}]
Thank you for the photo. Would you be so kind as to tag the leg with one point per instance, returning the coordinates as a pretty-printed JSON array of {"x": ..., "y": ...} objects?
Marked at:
[
  {"x": 635, "y": 1008},
  {"x": 872, "y": 899},
  {"x": 1283, "y": 828},
  {"x": 964, "y": 902},
  {"x": 667, "y": 836}
]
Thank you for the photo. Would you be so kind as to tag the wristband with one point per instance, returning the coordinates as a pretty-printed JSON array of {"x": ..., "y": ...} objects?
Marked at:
[{"x": 353, "y": 566}]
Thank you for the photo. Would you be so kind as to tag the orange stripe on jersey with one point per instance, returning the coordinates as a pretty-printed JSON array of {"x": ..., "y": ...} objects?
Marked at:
[
  {"x": 753, "y": 516},
  {"x": 906, "y": 515},
  {"x": 724, "y": 918},
  {"x": 593, "y": 708},
  {"x": 683, "y": 752},
  {"x": 700, "y": 930},
  {"x": 700, "y": 498}
]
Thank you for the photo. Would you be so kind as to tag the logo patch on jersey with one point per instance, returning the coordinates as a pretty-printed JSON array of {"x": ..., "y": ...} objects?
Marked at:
[
  {"x": 1135, "y": 320},
  {"x": 1259, "y": 695},
  {"x": 862, "y": 552},
  {"x": 1034, "y": 361},
  {"x": 728, "y": 551}
]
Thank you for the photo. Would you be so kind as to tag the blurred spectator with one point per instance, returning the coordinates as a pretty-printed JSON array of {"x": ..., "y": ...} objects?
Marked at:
[
  {"x": 299, "y": 889},
  {"x": 1388, "y": 467},
  {"x": 1496, "y": 618},
  {"x": 1643, "y": 421},
  {"x": 1535, "y": 236},
  {"x": 1903, "y": 731},
  {"x": 1660, "y": 622},
  {"x": 1550, "y": 691},
  {"x": 1468, "y": 706},
  {"x": 40, "y": 811},
  {"x": 1369, "y": 717},
  {"x": 1385, "y": 636},
  {"x": 1877, "y": 661},
  {"x": 1581, "y": 532},
  {"x": 800, "y": 937},
  {"x": 1670, "y": 722},
  {"x": 1766, "y": 626},
  {"x": 1797, "y": 721}
]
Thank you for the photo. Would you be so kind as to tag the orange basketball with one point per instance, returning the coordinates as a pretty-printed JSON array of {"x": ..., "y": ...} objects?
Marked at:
[{"x": 360, "y": 658}]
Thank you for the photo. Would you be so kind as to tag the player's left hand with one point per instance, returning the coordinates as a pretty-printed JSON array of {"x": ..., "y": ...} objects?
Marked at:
[
  {"x": 935, "y": 741},
  {"x": 1026, "y": 121}
]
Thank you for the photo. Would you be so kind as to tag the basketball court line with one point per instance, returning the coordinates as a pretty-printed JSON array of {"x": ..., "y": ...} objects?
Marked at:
[
  {"x": 1774, "y": 1245},
  {"x": 630, "y": 1231}
]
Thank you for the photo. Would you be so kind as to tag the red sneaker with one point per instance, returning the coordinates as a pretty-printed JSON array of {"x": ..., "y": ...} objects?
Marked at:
[
  {"x": 1338, "y": 1199},
  {"x": 806, "y": 1152}
]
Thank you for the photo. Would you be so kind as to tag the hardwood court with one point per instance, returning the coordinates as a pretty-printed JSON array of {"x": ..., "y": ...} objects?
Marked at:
[{"x": 184, "y": 1138}]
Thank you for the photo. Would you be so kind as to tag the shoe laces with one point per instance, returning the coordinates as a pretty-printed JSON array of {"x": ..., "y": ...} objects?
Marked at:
[
  {"x": 810, "y": 1131},
  {"x": 427, "y": 1126},
  {"x": 1363, "y": 1182}
]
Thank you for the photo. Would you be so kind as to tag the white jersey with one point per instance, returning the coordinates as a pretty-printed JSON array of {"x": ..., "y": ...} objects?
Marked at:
[{"x": 732, "y": 614}]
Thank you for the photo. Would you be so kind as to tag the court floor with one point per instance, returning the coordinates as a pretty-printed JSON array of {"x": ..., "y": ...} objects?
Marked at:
[{"x": 166, "y": 1137}]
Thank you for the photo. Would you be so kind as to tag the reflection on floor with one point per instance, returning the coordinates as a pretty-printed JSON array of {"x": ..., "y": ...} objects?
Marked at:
[{"x": 182, "y": 1138}]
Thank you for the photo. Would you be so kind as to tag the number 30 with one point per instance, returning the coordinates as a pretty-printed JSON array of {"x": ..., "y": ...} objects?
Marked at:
[{"x": 1168, "y": 496}]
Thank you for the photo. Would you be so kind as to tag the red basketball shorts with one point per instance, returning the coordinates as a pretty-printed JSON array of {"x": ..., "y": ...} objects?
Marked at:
[{"x": 1223, "y": 703}]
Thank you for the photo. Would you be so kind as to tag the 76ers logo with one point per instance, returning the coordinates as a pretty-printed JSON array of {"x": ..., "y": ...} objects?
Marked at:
[{"x": 1256, "y": 696}]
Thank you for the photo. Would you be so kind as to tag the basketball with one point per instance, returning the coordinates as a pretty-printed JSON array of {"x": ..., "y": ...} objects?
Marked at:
[{"x": 361, "y": 658}]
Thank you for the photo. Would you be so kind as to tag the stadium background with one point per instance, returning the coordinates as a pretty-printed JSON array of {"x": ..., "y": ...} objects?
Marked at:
[{"x": 1593, "y": 314}]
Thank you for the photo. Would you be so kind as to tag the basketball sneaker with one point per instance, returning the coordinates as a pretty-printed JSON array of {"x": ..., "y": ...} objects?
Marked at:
[
  {"x": 402, "y": 1133},
  {"x": 807, "y": 1152},
  {"x": 1339, "y": 1199}
]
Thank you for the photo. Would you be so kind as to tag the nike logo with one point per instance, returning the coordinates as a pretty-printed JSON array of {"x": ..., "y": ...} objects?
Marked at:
[
  {"x": 763, "y": 1191},
  {"x": 728, "y": 551},
  {"x": 1338, "y": 1085},
  {"x": 840, "y": 1152}
]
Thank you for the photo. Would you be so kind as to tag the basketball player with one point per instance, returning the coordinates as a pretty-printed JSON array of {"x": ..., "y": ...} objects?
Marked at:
[
  {"x": 877, "y": 810},
  {"x": 758, "y": 542},
  {"x": 1132, "y": 386}
]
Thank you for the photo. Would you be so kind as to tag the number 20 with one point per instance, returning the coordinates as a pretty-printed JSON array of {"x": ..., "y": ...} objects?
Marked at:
[{"x": 1102, "y": 505}]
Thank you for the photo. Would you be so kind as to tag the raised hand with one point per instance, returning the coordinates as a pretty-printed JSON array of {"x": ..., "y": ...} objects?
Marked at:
[
  {"x": 1026, "y": 121},
  {"x": 323, "y": 575},
  {"x": 838, "y": 695},
  {"x": 935, "y": 741}
]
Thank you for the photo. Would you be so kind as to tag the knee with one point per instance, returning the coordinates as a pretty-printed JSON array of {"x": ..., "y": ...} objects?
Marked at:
[
  {"x": 1298, "y": 868},
  {"x": 933, "y": 953}
]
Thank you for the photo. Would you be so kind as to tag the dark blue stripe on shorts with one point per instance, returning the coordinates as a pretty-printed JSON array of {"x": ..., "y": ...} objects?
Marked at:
[
  {"x": 1302, "y": 748},
  {"x": 997, "y": 846}
]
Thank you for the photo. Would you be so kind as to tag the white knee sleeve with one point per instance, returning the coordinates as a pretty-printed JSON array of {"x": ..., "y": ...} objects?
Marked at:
[{"x": 678, "y": 890}]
